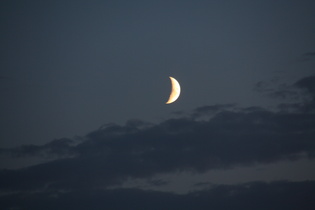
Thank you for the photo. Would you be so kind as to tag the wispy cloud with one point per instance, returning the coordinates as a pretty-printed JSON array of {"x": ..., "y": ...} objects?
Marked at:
[
  {"x": 299, "y": 96},
  {"x": 307, "y": 56}
]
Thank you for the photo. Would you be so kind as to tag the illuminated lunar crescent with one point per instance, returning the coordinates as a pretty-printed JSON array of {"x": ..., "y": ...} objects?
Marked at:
[{"x": 175, "y": 91}]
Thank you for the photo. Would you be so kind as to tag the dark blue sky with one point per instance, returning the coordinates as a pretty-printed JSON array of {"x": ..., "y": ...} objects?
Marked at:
[
  {"x": 83, "y": 86},
  {"x": 69, "y": 67}
]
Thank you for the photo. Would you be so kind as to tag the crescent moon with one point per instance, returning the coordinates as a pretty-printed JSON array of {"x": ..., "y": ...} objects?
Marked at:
[{"x": 175, "y": 91}]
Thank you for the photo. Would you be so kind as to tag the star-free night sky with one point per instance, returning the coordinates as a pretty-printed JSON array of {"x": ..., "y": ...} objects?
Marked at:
[{"x": 83, "y": 119}]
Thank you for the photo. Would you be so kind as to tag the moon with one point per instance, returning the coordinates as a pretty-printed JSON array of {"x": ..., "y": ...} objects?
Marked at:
[{"x": 175, "y": 91}]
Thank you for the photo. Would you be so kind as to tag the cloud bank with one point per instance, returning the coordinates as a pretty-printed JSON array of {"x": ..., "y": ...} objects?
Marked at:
[{"x": 209, "y": 137}]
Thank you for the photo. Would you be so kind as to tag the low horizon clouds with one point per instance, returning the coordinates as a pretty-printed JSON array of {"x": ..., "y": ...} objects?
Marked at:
[{"x": 253, "y": 195}]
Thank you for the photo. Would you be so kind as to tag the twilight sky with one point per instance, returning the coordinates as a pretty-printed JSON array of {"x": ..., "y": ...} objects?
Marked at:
[{"x": 83, "y": 86}]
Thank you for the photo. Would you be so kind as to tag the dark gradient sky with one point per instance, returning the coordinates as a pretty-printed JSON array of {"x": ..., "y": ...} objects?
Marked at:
[{"x": 83, "y": 86}]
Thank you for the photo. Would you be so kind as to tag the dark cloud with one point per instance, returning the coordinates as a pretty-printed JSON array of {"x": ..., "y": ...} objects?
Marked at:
[
  {"x": 307, "y": 83},
  {"x": 210, "y": 110},
  {"x": 306, "y": 56},
  {"x": 158, "y": 182},
  {"x": 309, "y": 54},
  {"x": 56, "y": 148},
  {"x": 300, "y": 95},
  {"x": 27, "y": 155},
  {"x": 274, "y": 90},
  {"x": 114, "y": 153},
  {"x": 256, "y": 195},
  {"x": 262, "y": 86},
  {"x": 253, "y": 109}
]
